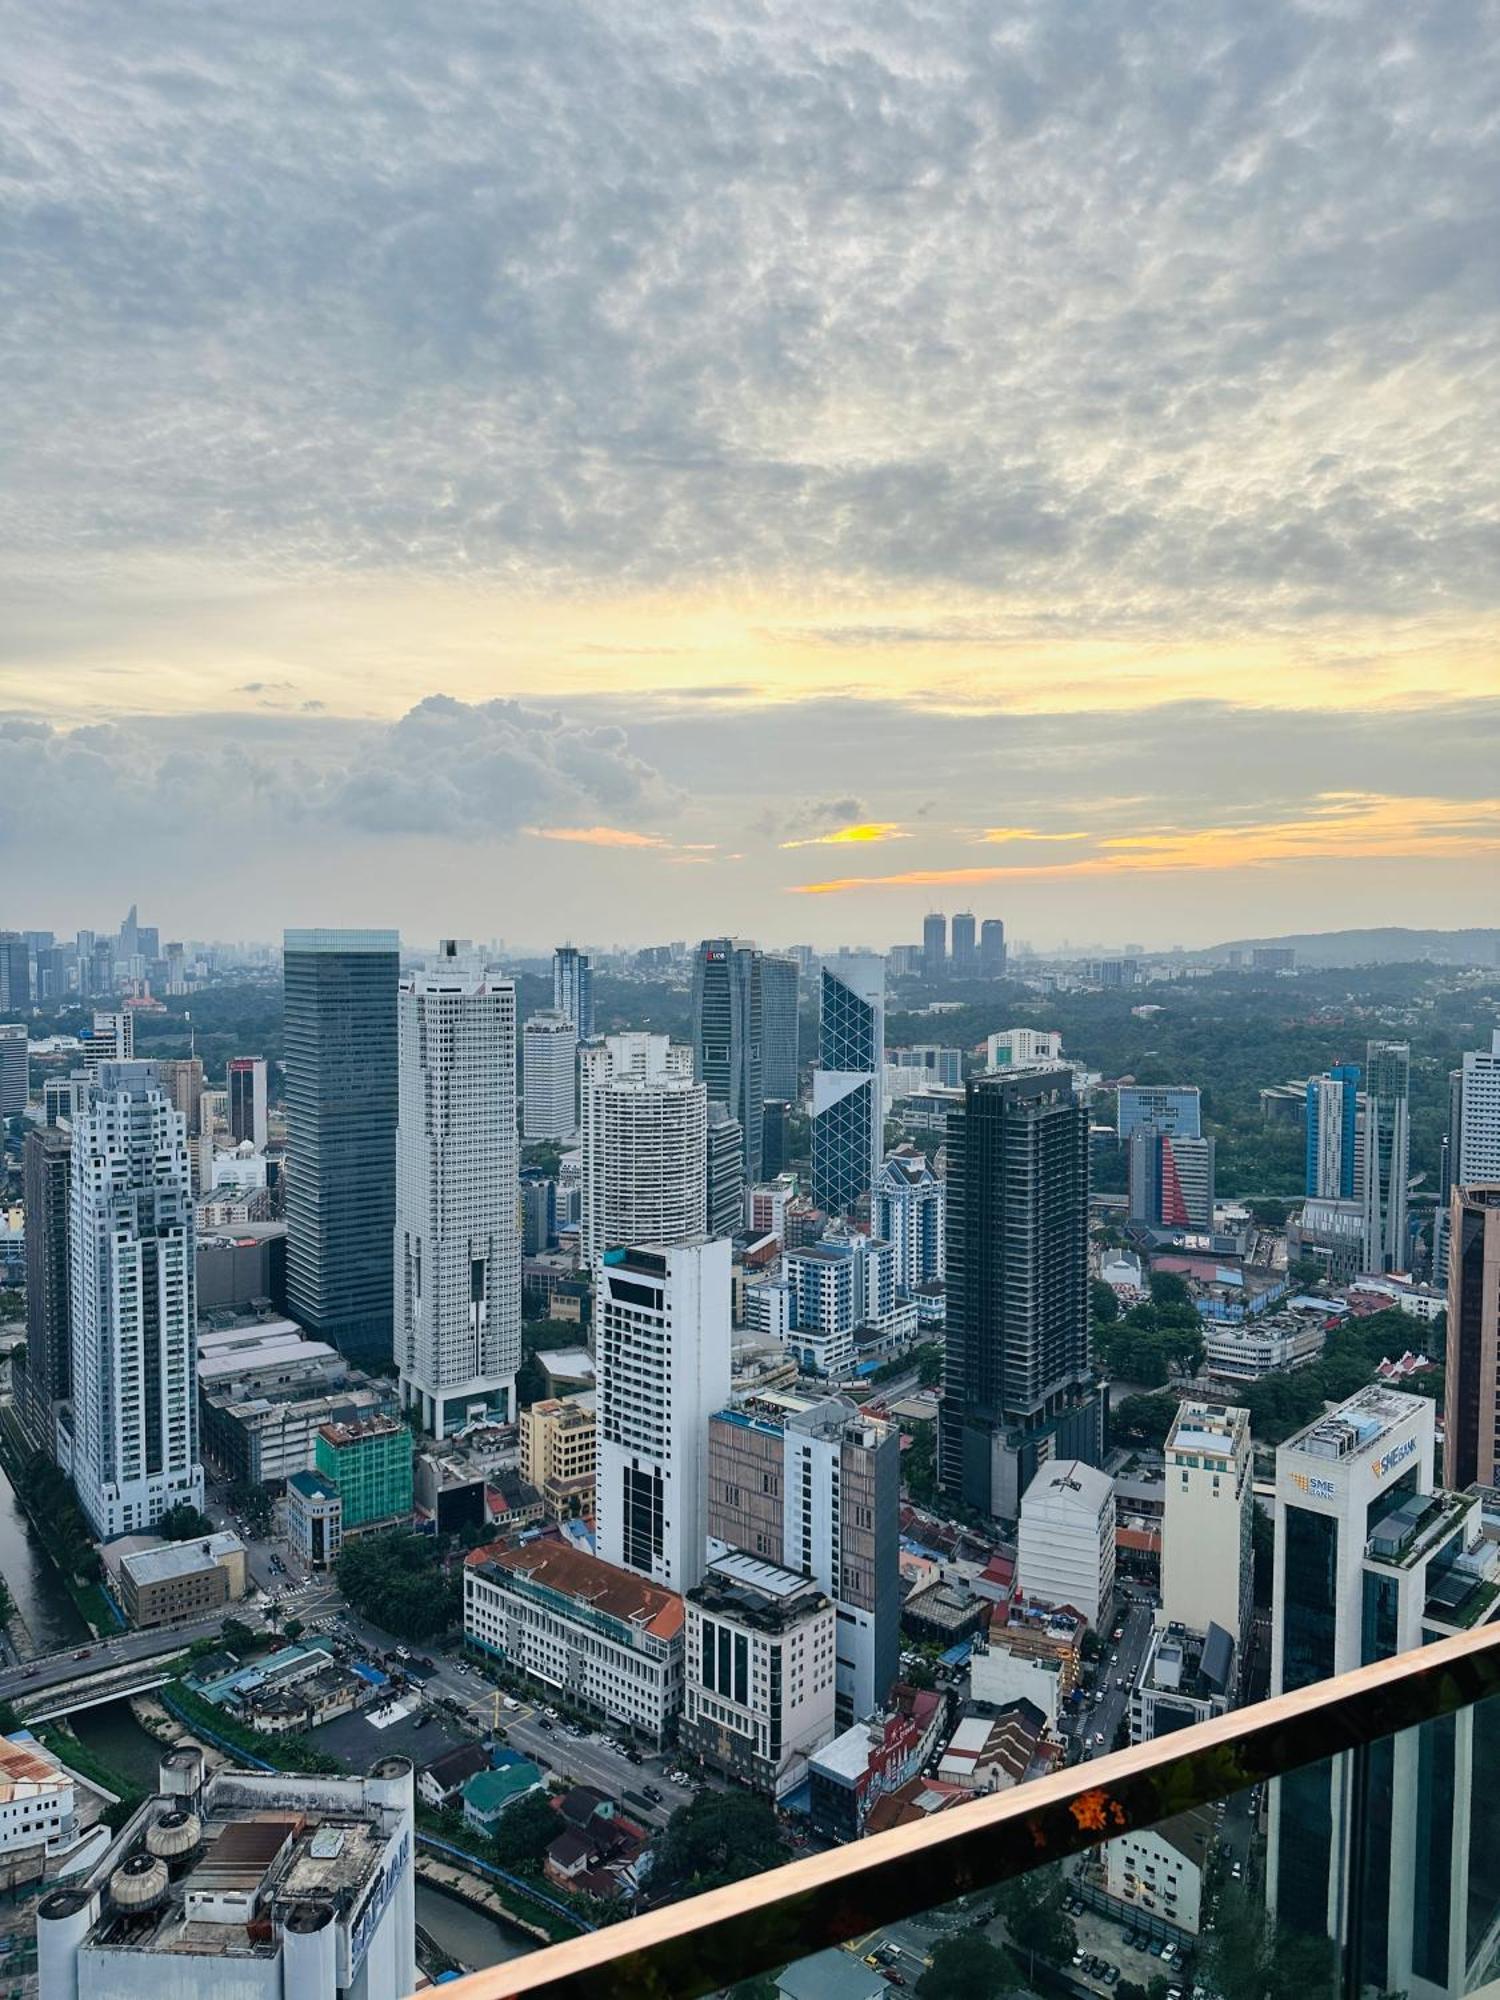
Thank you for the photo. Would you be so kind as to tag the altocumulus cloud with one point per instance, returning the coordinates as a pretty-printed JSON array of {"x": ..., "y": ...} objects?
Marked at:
[
  {"x": 447, "y": 768},
  {"x": 1167, "y": 311}
]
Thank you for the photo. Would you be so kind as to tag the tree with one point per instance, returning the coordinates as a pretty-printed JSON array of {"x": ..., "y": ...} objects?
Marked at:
[
  {"x": 762, "y": 1987},
  {"x": 919, "y": 1464},
  {"x": 1143, "y": 1420},
  {"x": 7, "y": 1603},
  {"x": 1036, "y": 1922},
  {"x": 237, "y": 1636},
  {"x": 253, "y": 1505},
  {"x": 525, "y": 1831},
  {"x": 966, "y": 1967},
  {"x": 397, "y": 1581},
  {"x": 1106, "y": 1307},
  {"x": 930, "y": 1365},
  {"x": 184, "y": 1523},
  {"x": 293, "y": 1628},
  {"x": 721, "y": 1837}
]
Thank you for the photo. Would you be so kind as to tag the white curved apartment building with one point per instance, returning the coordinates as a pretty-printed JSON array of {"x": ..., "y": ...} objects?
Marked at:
[{"x": 645, "y": 1144}]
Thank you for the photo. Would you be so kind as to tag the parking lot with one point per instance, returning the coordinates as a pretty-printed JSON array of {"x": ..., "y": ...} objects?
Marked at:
[{"x": 1106, "y": 1954}]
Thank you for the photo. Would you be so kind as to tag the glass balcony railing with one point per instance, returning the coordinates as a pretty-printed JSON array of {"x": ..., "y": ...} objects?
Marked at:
[{"x": 1339, "y": 1843}]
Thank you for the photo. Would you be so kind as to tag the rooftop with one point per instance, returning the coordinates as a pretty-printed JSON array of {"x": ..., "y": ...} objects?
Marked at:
[
  {"x": 593, "y": 1584},
  {"x": 180, "y": 1558},
  {"x": 1357, "y": 1425},
  {"x": 1211, "y": 1428}
]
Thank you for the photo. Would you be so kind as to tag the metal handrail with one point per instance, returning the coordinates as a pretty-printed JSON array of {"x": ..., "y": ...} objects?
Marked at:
[{"x": 707, "y": 1942}]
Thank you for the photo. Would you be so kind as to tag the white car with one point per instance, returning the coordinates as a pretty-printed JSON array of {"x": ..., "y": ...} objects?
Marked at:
[{"x": 509, "y": 1701}]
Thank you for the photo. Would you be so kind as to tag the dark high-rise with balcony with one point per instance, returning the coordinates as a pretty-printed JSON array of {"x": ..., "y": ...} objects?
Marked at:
[
  {"x": 935, "y": 945},
  {"x": 965, "y": 957},
  {"x": 729, "y": 1033},
  {"x": 992, "y": 949},
  {"x": 1018, "y": 1387},
  {"x": 341, "y": 1135},
  {"x": 780, "y": 988},
  {"x": 15, "y": 973},
  {"x": 48, "y": 1371}
]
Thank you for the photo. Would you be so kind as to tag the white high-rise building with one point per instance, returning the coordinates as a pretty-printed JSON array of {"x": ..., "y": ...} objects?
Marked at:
[
  {"x": 1066, "y": 1548},
  {"x": 134, "y": 1437},
  {"x": 549, "y": 1074},
  {"x": 1210, "y": 1507},
  {"x": 908, "y": 1213},
  {"x": 1476, "y": 1148},
  {"x": 662, "y": 1367},
  {"x": 112, "y": 1040},
  {"x": 458, "y": 1239},
  {"x": 1023, "y": 1048},
  {"x": 645, "y": 1145}
]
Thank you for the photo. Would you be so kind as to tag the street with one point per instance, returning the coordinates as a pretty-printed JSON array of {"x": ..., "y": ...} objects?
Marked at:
[{"x": 1098, "y": 1723}]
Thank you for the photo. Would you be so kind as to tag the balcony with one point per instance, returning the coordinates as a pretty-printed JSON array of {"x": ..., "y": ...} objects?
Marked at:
[{"x": 1350, "y": 1847}]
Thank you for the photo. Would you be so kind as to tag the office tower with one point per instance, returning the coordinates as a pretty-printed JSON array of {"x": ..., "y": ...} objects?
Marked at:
[
  {"x": 992, "y": 955},
  {"x": 815, "y": 1486},
  {"x": 1471, "y": 1412},
  {"x": 102, "y": 977},
  {"x": 837, "y": 1285},
  {"x": 51, "y": 976},
  {"x": 1065, "y": 1551},
  {"x": 1206, "y": 1572},
  {"x": 247, "y": 1101},
  {"x": 134, "y": 1364},
  {"x": 15, "y": 973},
  {"x": 112, "y": 1039},
  {"x": 758, "y": 1673},
  {"x": 728, "y": 1032},
  {"x": 1171, "y": 1181},
  {"x": 1332, "y": 1133},
  {"x": 848, "y": 1129},
  {"x": 908, "y": 1213},
  {"x": 148, "y": 943},
  {"x": 44, "y": 1170},
  {"x": 573, "y": 989},
  {"x": 1145, "y": 1108},
  {"x": 775, "y": 1137},
  {"x": 341, "y": 1135},
  {"x": 180, "y": 1079},
  {"x": 15, "y": 1068},
  {"x": 127, "y": 934},
  {"x": 780, "y": 989},
  {"x": 1387, "y": 1139},
  {"x": 724, "y": 1203},
  {"x": 935, "y": 945},
  {"x": 1017, "y": 1383},
  {"x": 965, "y": 958},
  {"x": 1474, "y": 1116},
  {"x": 549, "y": 1076},
  {"x": 84, "y": 947},
  {"x": 176, "y": 975},
  {"x": 1370, "y": 1561},
  {"x": 458, "y": 1239},
  {"x": 645, "y": 1145},
  {"x": 661, "y": 1357}
]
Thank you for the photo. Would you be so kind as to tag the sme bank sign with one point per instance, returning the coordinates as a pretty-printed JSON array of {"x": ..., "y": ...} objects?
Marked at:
[{"x": 1396, "y": 1456}]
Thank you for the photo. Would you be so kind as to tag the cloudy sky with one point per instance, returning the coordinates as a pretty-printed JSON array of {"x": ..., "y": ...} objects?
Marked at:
[{"x": 508, "y": 468}]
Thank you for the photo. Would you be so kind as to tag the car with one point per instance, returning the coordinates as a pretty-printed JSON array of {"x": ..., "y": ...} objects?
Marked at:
[
  {"x": 509, "y": 1701},
  {"x": 1236, "y": 1873},
  {"x": 1174, "y": 1993},
  {"x": 1118, "y": 1634},
  {"x": 653, "y": 1794},
  {"x": 543, "y": 1723},
  {"x": 1111, "y": 1974},
  {"x": 632, "y": 1755},
  {"x": 1078, "y": 1956},
  {"x": 893, "y": 1977},
  {"x": 1165, "y": 1951},
  {"x": 550, "y": 1713},
  {"x": 1098, "y": 1735},
  {"x": 83, "y": 1652}
]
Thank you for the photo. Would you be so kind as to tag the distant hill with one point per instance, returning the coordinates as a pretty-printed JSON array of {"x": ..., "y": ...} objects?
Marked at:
[{"x": 1392, "y": 946}]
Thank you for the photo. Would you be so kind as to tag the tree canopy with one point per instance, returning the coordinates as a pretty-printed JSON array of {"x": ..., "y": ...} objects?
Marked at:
[
  {"x": 720, "y": 1837},
  {"x": 398, "y": 1583},
  {"x": 966, "y": 1967}
]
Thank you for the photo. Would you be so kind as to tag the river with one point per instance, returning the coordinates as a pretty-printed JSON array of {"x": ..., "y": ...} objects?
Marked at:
[{"x": 51, "y": 1616}]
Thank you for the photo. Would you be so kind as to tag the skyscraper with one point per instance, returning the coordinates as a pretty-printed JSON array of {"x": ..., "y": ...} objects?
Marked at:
[
  {"x": 341, "y": 1135},
  {"x": 549, "y": 1075},
  {"x": 15, "y": 1068},
  {"x": 662, "y": 1341},
  {"x": 908, "y": 1213},
  {"x": 965, "y": 957},
  {"x": 645, "y": 1138},
  {"x": 848, "y": 1108},
  {"x": 247, "y": 1101},
  {"x": 48, "y": 1372},
  {"x": 458, "y": 1240},
  {"x": 992, "y": 948},
  {"x": 1332, "y": 1132},
  {"x": 1475, "y": 1143},
  {"x": 1171, "y": 1181},
  {"x": 1471, "y": 1411},
  {"x": 1206, "y": 1526},
  {"x": 935, "y": 944},
  {"x": 780, "y": 988},
  {"x": 15, "y": 973},
  {"x": 1017, "y": 1383},
  {"x": 134, "y": 1364},
  {"x": 573, "y": 989},
  {"x": 728, "y": 1033},
  {"x": 724, "y": 1202},
  {"x": 1387, "y": 1142},
  {"x": 1156, "y": 1108},
  {"x": 112, "y": 1040}
]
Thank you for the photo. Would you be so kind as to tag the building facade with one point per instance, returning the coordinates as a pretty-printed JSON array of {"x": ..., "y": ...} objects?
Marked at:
[
  {"x": 559, "y": 1453},
  {"x": 15, "y": 1068},
  {"x": 341, "y": 1135},
  {"x": 598, "y": 1637},
  {"x": 458, "y": 1235},
  {"x": 934, "y": 944},
  {"x": 370, "y": 1464},
  {"x": 45, "y": 1161},
  {"x": 134, "y": 1446},
  {"x": 1206, "y": 1570},
  {"x": 1171, "y": 1181},
  {"x": 1471, "y": 1412},
  {"x": 724, "y": 1183},
  {"x": 992, "y": 954},
  {"x": 1066, "y": 1549},
  {"x": 909, "y": 1215},
  {"x": 573, "y": 989},
  {"x": 848, "y": 1085},
  {"x": 729, "y": 1035},
  {"x": 780, "y": 986},
  {"x": 248, "y": 1115},
  {"x": 645, "y": 1145},
  {"x": 1023, "y": 1048},
  {"x": 1018, "y": 1386},
  {"x": 1332, "y": 1119},
  {"x": 662, "y": 1357},
  {"x": 1387, "y": 1138},
  {"x": 964, "y": 952},
  {"x": 1174, "y": 1109},
  {"x": 550, "y": 1077}
]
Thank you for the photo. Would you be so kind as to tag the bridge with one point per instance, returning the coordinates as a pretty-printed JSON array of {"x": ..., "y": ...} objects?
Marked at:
[{"x": 51, "y": 1704}]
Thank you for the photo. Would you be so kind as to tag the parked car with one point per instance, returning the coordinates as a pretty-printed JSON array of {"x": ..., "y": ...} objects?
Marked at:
[{"x": 650, "y": 1792}]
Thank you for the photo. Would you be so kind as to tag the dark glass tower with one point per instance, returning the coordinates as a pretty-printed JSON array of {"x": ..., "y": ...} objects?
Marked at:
[
  {"x": 1018, "y": 1387},
  {"x": 779, "y": 985},
  {"x": 48, "y": 1372},
  {"x": 729, "y": 1033},
  {"x": 992, "y": 948},
  {"x": 341, "y": 1135},
  {"x": 848, "y": 1126},
  {"x": 965, "y": 957},
  {"x": 935, "y": 945}
]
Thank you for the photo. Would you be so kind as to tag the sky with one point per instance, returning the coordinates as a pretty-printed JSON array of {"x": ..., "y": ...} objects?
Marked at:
[{"x": 637, "y": 472}]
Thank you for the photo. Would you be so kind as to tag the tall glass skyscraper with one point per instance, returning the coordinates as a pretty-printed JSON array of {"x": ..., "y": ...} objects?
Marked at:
[
  {"x": 964, "y": 955},
  {"x": 1332, "y": 1132},
  {"x": 729, "y": 1034},
  {"x": 1018, "y": 1387},
  {"x": 779, "y": 987},
  {"x": 341, "y": 1135},
  {"x": 1386, "y": 1108},
  {"x": 992, "y": 948},
  {"x": 573, "y": 989},
  {"x": 935, "y": 944},
  {"x": 848, "y": 1127}
]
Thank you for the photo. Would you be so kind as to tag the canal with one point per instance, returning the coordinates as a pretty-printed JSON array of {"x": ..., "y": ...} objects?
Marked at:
[{"x": 51, "y": 1616}]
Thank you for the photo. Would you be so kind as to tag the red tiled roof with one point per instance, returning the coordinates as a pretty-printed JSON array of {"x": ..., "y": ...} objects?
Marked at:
[{"x": 574, "y": 1573}]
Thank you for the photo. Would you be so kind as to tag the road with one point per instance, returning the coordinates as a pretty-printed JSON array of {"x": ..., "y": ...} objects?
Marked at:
[{"x": 1120, "y": 1663}]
